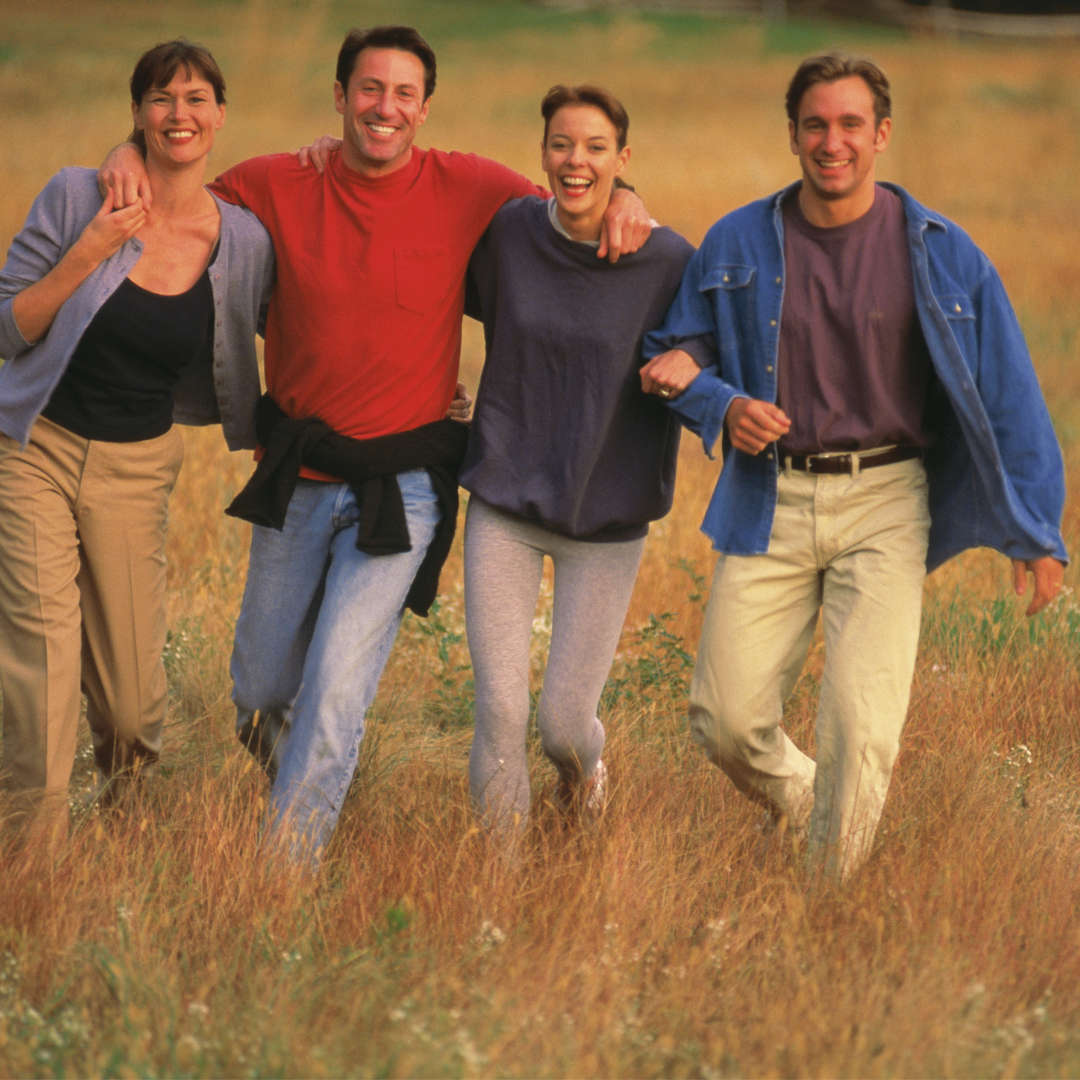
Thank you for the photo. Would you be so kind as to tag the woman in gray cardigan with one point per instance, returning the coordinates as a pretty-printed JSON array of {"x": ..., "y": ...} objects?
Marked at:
[{"x": 112, "y": 326}]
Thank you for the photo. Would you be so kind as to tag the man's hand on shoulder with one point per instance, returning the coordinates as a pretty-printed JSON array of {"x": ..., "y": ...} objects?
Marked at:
[
  {"x": 124, "y": 174},
  {"x": 752, "y": 424},
  {"x": 318, "y": 153},
  {"x": 626, "y": 227},
  {"x": 669, "y": 374},
  {"x": 1048, "y": 573}
]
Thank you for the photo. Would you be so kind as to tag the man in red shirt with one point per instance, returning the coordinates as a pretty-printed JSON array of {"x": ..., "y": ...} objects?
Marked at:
[{"x": 363, "y": 333}]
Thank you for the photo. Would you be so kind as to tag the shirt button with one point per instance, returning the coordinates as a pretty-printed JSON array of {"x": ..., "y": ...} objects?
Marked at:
[
  {"x": 726, "y": 278},
  {"x": 769, "y": 455},
  {"x": 769, "y": 367},
  {"x": 772, "y": 322},
  {"x": 778, "y": 281},
  {"x": 958, "y": 309}
]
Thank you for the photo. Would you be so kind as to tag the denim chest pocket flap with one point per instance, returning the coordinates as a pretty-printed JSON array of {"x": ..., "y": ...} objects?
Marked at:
[
  {"x": 422, "y": 276},
  {"x": 957, "y": 306},
  {"x": 728, "y": 276}
]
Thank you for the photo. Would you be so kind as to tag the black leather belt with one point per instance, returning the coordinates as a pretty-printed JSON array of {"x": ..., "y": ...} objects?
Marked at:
[{"x": 842, "y": 463}]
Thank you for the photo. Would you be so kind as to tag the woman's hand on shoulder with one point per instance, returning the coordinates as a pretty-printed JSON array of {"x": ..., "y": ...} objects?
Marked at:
[{"x": 318, "y": 153}]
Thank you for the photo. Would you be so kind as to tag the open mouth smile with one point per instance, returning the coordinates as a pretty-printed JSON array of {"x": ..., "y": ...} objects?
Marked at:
[{"x": 575, "y": 185}]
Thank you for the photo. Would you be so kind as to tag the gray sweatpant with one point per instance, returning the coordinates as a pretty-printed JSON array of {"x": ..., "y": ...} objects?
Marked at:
[{"x": 504, "y": 562}]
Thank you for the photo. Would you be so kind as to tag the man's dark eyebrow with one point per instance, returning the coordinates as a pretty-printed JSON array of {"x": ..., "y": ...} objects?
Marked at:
[{"x": 821, "y": 120}]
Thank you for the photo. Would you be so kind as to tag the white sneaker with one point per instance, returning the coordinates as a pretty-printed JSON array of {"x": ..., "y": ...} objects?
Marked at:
[{"x": 586, "y": 798}]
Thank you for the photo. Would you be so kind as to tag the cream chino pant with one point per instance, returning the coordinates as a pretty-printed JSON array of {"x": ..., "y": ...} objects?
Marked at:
[
  {"x": 82, "y": 605},
  {"x": 855, "y": 549}
]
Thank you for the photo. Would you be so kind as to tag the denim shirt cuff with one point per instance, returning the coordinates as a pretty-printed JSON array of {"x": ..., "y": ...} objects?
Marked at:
[{"x": 703, "y": 405}]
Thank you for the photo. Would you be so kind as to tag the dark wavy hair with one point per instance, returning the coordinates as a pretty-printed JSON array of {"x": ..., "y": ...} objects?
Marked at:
[{"x": 404, "y": 38}]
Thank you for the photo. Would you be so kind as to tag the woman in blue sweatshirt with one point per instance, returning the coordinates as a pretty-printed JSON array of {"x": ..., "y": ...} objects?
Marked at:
[{"x": 567, "y": 456}]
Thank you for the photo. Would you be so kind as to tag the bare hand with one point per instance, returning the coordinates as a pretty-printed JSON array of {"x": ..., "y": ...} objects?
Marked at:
[
  {"x": 1048, "y": 572},
  {"x": 108, "y": 230},
  {"x": 669, "y": 374},
  {"x": 626, "y": 226},
  {"x": 461, "y": 406},
  {"x": 124, "y": 174},
  {"x": 753, "y": 424},
  {"x": 318, "y": 153}
]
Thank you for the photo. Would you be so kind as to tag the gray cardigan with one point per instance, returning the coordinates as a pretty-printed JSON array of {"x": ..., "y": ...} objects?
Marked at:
[{"x": 241, "y": 277}]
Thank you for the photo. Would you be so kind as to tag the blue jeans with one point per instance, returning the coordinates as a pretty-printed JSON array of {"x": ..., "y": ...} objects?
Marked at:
[{"x": 316, "y": 626}]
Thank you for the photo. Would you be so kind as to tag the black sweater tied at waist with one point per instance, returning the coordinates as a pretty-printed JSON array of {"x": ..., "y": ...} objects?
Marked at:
[{"x": 370, "y": 468}]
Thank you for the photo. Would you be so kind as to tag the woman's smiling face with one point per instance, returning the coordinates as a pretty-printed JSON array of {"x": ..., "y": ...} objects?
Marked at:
[
  {"x": 180, "y": 120},
  {"x": 581, "y": 157}
]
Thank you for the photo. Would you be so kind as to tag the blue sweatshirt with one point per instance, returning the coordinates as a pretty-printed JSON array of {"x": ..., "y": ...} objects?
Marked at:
[{"x": 563, "y": 434}]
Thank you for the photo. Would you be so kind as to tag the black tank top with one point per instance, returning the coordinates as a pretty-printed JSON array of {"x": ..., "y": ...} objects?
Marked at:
[{"x": 118, "y": 386}]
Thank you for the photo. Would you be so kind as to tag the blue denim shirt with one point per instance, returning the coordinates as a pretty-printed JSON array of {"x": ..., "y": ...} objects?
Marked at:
[
  {"x": 995, "y": 472},
  {"x": 241, "y": 279}
]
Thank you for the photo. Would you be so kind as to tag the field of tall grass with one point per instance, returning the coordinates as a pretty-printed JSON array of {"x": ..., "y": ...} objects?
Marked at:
[{"x": 673, "y": 938}]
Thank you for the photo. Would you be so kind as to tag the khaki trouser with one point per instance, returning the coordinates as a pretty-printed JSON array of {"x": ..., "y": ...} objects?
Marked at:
[
  {"x": 854, "y": 548},
  {"x": 82, "y": 603}
]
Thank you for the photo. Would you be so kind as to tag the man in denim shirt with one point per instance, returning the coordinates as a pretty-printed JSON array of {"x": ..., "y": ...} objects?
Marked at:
[{"x": 880, "y": 414}]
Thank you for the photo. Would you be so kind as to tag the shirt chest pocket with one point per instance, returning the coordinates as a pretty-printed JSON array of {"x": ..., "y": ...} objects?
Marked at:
[
  {"x": 422, "y": 277},
  {"x": 960, "y": 313},
  {"x": 730, "y": 287}
]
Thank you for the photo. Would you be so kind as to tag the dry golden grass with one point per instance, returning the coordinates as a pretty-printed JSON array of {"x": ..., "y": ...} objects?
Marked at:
[{"x": 671, "y": 940}]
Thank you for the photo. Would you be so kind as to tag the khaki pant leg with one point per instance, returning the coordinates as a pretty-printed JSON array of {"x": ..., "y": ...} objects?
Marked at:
[
  {"x": 123, "y": 522},
  {"x": 40, "y": 636},
  {"x": 758, "y": 626},
  {"x": 877, "y": 526}
]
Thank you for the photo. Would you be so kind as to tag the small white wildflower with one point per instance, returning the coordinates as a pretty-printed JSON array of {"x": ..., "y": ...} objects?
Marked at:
[
  {"x": 198, "y": 1008},
  {"x": 397, "y": 1014},
  {"x": 490, "y": 935}
]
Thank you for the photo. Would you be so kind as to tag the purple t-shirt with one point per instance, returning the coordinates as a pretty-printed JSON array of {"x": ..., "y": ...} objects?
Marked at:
[{"x": 853, "y": 368}]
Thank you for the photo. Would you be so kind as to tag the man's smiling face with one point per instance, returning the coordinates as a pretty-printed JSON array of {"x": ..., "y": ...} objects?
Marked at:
[
  {"x": 838, "y": 139},
  {"x": 383, "y": 107}
]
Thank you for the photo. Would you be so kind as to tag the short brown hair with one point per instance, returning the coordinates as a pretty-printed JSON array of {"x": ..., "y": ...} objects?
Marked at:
[
  {"x": 558, "y": 97},
  {"x": 157, "y": 66},
  {"x": 828, "y": 68},
  {"x": 404, "y": 38}
]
